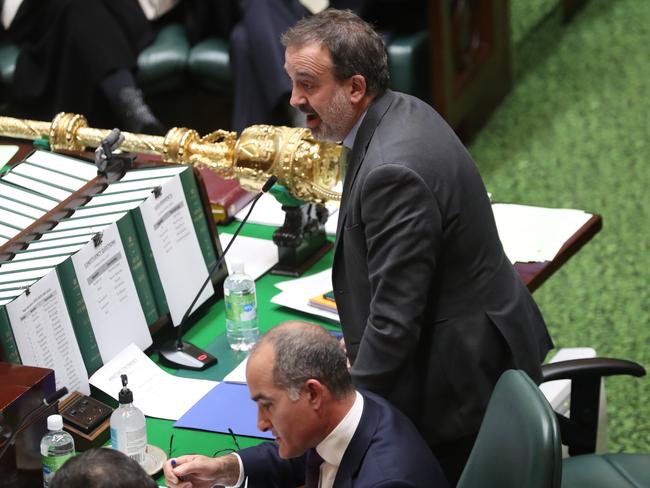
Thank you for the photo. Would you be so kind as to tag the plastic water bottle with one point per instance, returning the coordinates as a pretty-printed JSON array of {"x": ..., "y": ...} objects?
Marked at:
[
  {"x": 241, "y": 309},
  {"x": 128, "y": 427},
  {"x": 57, "y": 446}
]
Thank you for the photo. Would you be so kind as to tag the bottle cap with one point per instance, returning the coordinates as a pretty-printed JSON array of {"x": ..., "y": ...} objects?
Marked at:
[
  {"x": 55, "y": 422},
  {"x": 125, "y": 395},
  {"x": 237, "y": 267}
]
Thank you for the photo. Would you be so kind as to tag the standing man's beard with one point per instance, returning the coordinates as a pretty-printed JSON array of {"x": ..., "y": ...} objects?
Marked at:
[{"x": 336, "y": 119}]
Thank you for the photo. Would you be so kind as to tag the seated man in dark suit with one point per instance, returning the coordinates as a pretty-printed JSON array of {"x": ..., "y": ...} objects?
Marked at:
[{"x": 327, "y": 433}]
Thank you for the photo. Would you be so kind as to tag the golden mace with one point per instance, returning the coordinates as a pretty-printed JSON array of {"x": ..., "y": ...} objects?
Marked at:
[{"x": 309, "y": 169}]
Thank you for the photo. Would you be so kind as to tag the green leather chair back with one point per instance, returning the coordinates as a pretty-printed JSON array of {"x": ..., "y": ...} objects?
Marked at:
[{"x": 518, "y": 444}]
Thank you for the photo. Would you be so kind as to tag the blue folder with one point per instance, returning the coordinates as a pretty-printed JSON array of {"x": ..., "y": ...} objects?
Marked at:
[{"x": 227, "y": 405}]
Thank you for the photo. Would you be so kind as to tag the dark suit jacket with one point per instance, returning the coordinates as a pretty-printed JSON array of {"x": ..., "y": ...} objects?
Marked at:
[
  {"x": 385, "y": 450},
  {"x": 431, "y": 309}
]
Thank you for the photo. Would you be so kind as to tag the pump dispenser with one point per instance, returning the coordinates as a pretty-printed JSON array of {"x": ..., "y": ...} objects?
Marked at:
[{"x": 128, "y": 426}]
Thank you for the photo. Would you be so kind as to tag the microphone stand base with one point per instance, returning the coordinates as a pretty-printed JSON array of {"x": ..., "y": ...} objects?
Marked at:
[{"x": 187, "y": 357}]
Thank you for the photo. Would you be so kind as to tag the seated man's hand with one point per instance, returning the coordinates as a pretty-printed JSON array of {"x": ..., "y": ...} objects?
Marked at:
[{"x": 196, "y": 471}]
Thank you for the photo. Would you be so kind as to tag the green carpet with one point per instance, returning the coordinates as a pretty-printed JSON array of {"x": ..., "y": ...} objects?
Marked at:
[
  {"x": 526, "y": 16},
  {"x": 575, "y": 132}
]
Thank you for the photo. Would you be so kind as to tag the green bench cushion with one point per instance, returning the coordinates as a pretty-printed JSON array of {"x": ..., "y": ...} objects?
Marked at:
[
  {"x": 209, "y": 64},
  {"x": 162, "y": 65}
]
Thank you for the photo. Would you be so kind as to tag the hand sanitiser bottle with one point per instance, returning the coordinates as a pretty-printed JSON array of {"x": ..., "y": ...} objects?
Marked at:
[
  {"x": 128, "y": 426},
  {"x": 57, "y": 446}
]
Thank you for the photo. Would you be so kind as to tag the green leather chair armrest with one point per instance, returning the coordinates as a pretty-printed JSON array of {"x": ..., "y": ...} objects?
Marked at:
[
  {"x": 590, "y": 368},
  {"x": 162, "y": 66},
  {"x": 8, "y": 57},
  {"x": 579, "y": 430},
  {"x": 209, "y": 64},
  {"x": 408, "y": 60}
]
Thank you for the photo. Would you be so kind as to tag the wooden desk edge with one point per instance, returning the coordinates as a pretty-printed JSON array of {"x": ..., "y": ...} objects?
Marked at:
[{"x": 535, "y": 274}]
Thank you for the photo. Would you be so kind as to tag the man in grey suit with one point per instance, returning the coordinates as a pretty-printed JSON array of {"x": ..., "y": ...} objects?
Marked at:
[{"x": 432, "y": 311}]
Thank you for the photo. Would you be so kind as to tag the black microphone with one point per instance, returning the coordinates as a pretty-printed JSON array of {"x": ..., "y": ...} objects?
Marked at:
[
  {"x": 38, "y": 410},
  {"x": 184, "y": 355}
]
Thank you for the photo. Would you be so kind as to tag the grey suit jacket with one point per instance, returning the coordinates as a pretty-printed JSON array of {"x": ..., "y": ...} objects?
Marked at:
[{"x": 431, "y": 309}]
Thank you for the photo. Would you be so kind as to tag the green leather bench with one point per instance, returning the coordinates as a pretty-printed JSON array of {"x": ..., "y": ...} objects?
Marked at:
[
  {"x": 209, "y": 64},
  {"x": 162, "y": 66},
  {"x": 170, "y": 64}
]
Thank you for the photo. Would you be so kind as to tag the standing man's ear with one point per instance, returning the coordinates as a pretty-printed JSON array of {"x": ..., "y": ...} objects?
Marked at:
[{"x": 358, "y": 88}]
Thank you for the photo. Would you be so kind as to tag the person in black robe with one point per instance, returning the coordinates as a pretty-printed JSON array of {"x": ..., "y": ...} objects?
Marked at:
[{"x": 79, "y": 56}]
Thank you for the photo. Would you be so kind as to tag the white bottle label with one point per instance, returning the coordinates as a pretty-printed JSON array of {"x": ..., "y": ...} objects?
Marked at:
[{"x": 136, "y": 444}]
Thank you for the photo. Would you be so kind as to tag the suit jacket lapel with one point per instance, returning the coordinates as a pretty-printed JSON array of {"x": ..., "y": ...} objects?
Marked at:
[
  {"x": 356, "y": 450},
  {"x": 374, "y": 115}
]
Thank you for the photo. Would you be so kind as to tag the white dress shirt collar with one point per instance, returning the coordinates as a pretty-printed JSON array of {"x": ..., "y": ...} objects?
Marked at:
[{"x": 332, "y": 448}]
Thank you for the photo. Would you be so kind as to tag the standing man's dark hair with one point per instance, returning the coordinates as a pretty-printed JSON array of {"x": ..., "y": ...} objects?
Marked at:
[
  {"x": 102, "y": 468},
  {"x": 355, "y": 47}
]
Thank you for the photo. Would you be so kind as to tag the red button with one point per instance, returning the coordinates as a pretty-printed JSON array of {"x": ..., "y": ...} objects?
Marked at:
[{"x": 202, "y": 357}]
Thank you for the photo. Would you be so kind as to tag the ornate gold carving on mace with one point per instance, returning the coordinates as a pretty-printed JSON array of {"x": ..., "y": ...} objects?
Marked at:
[{"x": 309, "y": 169}]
